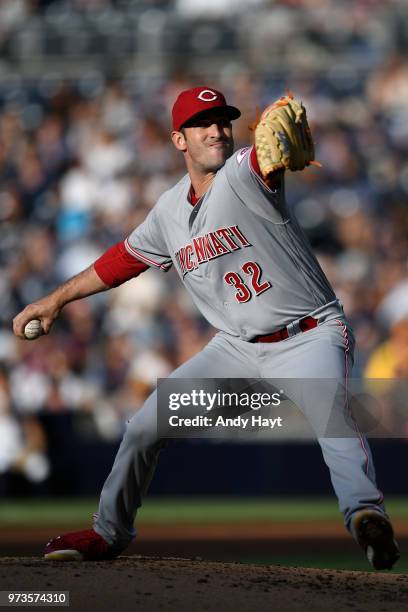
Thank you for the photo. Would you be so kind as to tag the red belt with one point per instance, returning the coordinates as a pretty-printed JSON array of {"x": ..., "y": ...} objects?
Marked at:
[{"x": 304, "y": 325}]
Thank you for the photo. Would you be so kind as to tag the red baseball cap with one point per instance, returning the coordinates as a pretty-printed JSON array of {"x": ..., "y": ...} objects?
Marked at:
[{"x": 197, "y": 100}]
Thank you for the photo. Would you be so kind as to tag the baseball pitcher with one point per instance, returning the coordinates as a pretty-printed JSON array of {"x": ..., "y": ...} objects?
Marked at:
[{"x": 242, "y": 256}]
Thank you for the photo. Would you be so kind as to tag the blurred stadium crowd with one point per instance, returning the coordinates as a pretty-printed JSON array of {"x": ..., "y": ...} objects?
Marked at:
[{"x": 83, "y": 158}]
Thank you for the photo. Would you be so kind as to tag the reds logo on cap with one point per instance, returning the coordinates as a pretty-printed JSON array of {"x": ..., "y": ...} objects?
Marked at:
[
  {"x": 193, "y": 102},
  {"x": 207, "y": 95}
]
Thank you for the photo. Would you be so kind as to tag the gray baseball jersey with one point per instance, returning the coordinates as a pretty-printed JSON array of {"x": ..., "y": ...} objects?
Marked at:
[{"x": 239, "y": 251}]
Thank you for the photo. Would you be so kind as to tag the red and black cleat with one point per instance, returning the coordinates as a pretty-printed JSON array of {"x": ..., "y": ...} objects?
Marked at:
[{"x": 84, "y": 545}]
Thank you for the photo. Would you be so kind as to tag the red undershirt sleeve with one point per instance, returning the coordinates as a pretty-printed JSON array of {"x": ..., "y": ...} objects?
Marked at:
[
  {"x": 116, "y": 266},
  {"x": 273, "y": 180},
  {"x": 254, "y": 162}
]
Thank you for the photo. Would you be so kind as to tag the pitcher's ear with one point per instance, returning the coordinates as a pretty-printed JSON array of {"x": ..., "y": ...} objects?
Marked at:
[{"x": 179, "y": 140}]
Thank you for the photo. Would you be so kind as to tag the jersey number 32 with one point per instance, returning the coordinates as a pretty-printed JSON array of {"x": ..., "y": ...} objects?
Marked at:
[{"x": 243, "y": 292}]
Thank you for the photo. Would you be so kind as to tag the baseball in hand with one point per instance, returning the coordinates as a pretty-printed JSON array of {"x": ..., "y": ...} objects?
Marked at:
[{"x": 33, "y": 329}]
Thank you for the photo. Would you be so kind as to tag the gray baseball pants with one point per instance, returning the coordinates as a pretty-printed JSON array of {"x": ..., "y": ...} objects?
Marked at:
[{"x": 323, "y": 352}]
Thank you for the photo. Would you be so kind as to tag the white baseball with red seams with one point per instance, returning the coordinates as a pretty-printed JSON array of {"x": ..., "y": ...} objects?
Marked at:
[{"x": 250, "y": 270}]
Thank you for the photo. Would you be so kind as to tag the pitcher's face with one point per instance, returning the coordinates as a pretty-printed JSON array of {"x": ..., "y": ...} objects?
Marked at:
[{"x": 207, "y": 140}]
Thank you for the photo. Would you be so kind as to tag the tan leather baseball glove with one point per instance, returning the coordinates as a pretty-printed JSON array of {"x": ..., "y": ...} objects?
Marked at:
[{"x": 282, "y": 137}]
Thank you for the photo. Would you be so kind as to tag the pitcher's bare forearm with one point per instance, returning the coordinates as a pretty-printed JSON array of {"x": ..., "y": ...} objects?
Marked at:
[
  {"x": 48, "y": 308},
  {"x": 83, "y": 284}
]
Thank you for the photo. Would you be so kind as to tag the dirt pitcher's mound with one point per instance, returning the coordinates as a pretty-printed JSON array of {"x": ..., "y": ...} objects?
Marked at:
[{"x": 153, "y": 584}]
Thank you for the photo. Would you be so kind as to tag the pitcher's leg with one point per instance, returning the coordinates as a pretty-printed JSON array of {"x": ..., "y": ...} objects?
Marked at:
[
  {"x": 129, "y": 478},
  {"x": 137, "y": 456},
  {"x": 348, "y": 457},
  {"x": 345, "y": 449},
  {"x": 323, "y": 356}
]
